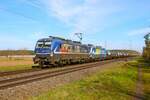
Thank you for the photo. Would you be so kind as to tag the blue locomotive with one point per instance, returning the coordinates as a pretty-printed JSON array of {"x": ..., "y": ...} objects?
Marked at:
[{"x": 59, "y": 51}]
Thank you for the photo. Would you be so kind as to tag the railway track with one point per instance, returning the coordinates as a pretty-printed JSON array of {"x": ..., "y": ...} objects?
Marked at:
[
  {"x": 2, "y": 74},
  {"x": 12, "y": 82}
]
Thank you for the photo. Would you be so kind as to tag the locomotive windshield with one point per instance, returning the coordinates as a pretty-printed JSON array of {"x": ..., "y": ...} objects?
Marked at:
[{"x": 43, "y": 44}]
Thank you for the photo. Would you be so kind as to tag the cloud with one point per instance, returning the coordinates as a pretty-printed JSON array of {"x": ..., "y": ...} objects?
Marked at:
[
  {"x": 87, "y": 16},
  {"x": 139, "y": 31}
]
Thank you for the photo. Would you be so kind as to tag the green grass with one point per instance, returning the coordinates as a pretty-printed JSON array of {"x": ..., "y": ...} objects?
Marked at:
[{"x": 117, "y": 83}]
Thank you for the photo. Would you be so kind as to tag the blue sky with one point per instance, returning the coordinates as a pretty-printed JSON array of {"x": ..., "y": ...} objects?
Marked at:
[{"x": 116, "y": 24}]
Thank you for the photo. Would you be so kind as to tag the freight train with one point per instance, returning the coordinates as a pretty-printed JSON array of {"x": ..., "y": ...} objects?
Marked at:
[{"x": 56, "y": 51}]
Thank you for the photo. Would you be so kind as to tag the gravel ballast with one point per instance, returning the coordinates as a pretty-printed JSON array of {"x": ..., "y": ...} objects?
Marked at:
[{"x": 24, "y": 92}]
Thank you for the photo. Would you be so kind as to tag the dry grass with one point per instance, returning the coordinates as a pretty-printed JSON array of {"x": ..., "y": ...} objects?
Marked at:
[{"x": 9, "y": 64}]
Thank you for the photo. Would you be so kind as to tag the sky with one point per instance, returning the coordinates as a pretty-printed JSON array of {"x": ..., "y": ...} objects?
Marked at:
[{"x": 114, "y": 24}]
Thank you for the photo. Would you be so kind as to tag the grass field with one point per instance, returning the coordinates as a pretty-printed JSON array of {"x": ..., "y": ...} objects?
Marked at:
[
  {"x": 11, "y": 64},
  {"x": 116, "y": 83}
]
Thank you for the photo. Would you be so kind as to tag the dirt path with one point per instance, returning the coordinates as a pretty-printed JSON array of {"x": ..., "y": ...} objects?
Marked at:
[{"x": 139, "y": 91}]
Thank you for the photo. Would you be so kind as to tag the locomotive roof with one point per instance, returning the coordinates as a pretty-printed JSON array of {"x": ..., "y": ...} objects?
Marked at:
[
  {"x": 44, "y": 39},
  {"x": 66, "y": 40},
  {"x": 53, "y": 37}
]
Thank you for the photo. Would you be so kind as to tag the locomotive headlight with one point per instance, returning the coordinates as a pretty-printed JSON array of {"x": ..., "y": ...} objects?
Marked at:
[{"x": 51, "y": 54}]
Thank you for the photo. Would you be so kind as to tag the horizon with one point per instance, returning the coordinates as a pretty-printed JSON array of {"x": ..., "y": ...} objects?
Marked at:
[{"x": 115, "y": 24}]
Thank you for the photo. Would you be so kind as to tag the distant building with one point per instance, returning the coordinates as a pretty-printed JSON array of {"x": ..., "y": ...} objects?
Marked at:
[{"x": 146, "y": 50}]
